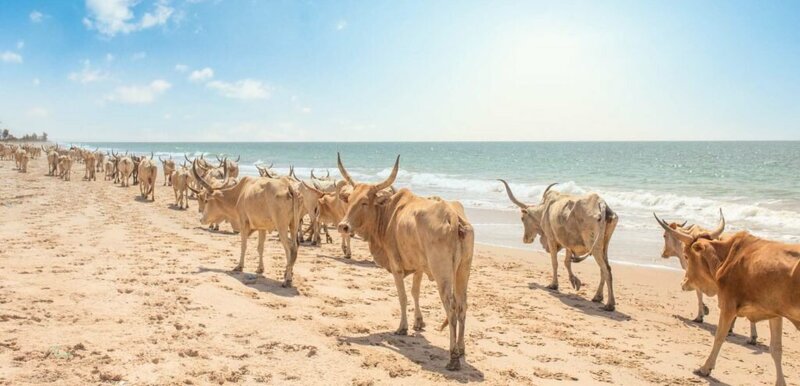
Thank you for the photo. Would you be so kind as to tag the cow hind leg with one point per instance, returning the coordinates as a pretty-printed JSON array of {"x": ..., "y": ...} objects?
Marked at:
[
  {"x": 554, "y": 261},
  {"x": 445, "y": 286},
  {"x": 609, "y": 281},
  {"x": 290, "y": 247},
  {"x": 419, "y": 324},
  {"x": 776, "y": 348},
  {"x": 262, "y": 235},
  {"x": 598, "y": 295},
  {"x": 726, "y": 316},
  {"x": 244, "y": 235},
  {"x": 462, "y": 280},
  {"x": 346, "y": 246},
  {"x": 702, "y": 310}
]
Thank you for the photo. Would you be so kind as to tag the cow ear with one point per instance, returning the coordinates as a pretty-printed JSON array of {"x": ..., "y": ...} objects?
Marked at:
[
  {"x": 382, "y": 199},
  {"x": 697, "y": 247},
  {"x": 344, "y": 196},
  {"x": 524, "y": 211}
]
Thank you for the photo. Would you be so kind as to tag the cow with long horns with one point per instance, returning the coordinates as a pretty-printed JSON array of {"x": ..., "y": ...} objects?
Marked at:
[
  {"x": 582, "y": 225},
  {"x": 413, "y": 235},
  {"x": 169, "y": 167}
]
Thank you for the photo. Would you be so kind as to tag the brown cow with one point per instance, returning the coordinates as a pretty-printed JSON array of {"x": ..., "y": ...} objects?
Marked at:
[
  {"x": 752, "y": 277},
  {"x": 408, "y": 234}
]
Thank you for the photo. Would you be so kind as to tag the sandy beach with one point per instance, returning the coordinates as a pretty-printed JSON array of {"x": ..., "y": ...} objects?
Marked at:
[{"x": 97, "y": 286}]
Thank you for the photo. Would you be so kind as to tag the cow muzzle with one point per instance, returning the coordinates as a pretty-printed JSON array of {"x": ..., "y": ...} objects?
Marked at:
[
  {"x": 686, "y": 286},
  {"x": 344, "y": 228}
]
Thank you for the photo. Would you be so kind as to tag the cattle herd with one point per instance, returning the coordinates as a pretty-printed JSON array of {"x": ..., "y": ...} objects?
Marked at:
[{"x": 408, "y": 234}]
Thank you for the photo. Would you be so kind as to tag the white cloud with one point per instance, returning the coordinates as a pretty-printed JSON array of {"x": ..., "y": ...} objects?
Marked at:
[
  {"x": 36, "y": 16},
  {"x": 38, "y": 112},
  {"x": 306, "y": 110},
  {"x": 11, "y": 57},
  {"x": 341, "y": 24},
  {"x": 36, "y": 82},
  {"x": 88, "y": 74},
  {"x": 245, "y": 89},
  {"x": 109, "y": 57},
  {"x": 20, "y": 44},
  {"x": 111, "y": 17},
  {"x": 139, "y": 55},
  {"x": 201, "y": 75},
  {"x": 139, "y": 94},
  {"x": 181, "y": 67}
]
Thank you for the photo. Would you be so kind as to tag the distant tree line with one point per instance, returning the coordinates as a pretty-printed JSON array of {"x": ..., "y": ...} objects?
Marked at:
[{"x": 5, "y": 135}]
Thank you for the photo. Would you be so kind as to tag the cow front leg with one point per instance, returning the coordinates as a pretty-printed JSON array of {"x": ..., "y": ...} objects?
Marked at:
[
  {"x": 609, "y": 282},
  {"x": 726, "y": 316},
  {"x": 328, "y": 238},
  {"x": 262, "y": 235},
  {"x": 419, "y": 325},
  {"x": 290, "y": 247},
  {"x": 576, "y": 283},
  {"x": 554, "y": 262},
  {"x": 401, "y": 295},
  {"x": 598, "y": 295},
  {"x": 776, "y": 348},
  {"x": 244, "y": 235},
  {"x": 753, "y": 334},
  {"x": 346, "y": 245}
]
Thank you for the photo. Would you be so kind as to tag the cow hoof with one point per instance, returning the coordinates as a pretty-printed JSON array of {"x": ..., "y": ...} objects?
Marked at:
[
  {"x": 598, "y": 299},
  {"x": 552, "y": 287},
  {"x": 419, "y": 325},
  {"x": 753, "y": 341},
  {"x": 260, "y": 270},
  {"x": 454, "y": 365},
  {"x": 705, "y": 310},
  {"x": 401, "y": 331},
  {"x": 703, "y": 372},
  {"x": 608, "y": 307},
  {"x": 238, "y": 268},
  {"x": 576, "y": 283},
  {"x": 698, "y": 319},
  {"x": 287, "y": 284}
]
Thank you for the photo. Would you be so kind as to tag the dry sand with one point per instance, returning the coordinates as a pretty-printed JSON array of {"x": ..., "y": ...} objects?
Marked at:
[{"x": 97, "y": 286}]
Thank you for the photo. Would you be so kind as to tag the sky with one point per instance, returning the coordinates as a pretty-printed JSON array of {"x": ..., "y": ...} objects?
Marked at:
[{"x": 240, "y": 70}]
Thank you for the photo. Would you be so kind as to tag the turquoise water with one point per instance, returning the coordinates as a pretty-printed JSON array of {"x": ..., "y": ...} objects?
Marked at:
[{"x": 755, "y": 183}]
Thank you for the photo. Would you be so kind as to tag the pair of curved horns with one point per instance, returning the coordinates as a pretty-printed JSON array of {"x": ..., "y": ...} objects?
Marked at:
[
  {"x": 685, "y": 237},
  {"x": 378, "y": 187},
  {"x": 519, "y": 203}
]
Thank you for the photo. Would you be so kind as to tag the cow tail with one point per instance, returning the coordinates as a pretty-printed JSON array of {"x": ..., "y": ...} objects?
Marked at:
[
  {"x": 462, "y": 252},
  {"x": 600, "y": 233}
]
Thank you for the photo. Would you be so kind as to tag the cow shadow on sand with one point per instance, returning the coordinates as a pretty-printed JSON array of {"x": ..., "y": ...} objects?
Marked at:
[
  {"x": 582, "y": 304},
  {"x": 256, "y": 282},
  {"x": 350, "y": 261},
  {"x": 734, "y": 337},
  {"x": 216, "y": 231},
  {"x": 416, "y": 348}
]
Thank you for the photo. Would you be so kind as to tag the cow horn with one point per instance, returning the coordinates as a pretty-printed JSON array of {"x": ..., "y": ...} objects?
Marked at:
[
  {"x": 511, "y": 196},
  {"x": 343, "y": 171},
  {"x": 327, "y": 173},
  {"x": 160, "y": 159},
  {"x": 187, "y": 157},
  {"x": 311, "y": 188},
  {"x": 151, "y": 155},
  {"x": 225, "y": 170},
  {"x": 200, "y": 179},
  {"x": 238, "y": 157},
  {"x": 291, "y": 173},
  {"x": 217, "y": 155},
  {"x": 192, "y": 189},
  {"x": 312, "y": 174},
  {"x": 684, "y": 237},
  {"x": 716, "y": 233},
  {"x": 548, "y": 189},
  {"x": 390, "y": 180},
  {"x": 684, "y": 224}
]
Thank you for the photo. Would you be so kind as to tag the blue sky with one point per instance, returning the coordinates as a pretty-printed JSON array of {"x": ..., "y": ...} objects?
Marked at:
[{"x": 230, "y": 70}]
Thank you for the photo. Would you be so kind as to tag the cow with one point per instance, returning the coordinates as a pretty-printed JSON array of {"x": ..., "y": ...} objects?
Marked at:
[
  {"x": 23, "y": 163},
  {"x": 124, "y": 169},
  {"x": 180, "y": 185},
  {"x": 752, "y": 277},
  {"x": 108, "y": 169},
  {"x": 169, "y": 166},
  {"x": 325, "y": 184},
  {"x": 256, "y": 204},
  {"x": 135, "y": 170},
  {"x": 65, "y": 167},
  {"x": 583, "y": 225},
  {"x": 89, "y": 162},
  {"x": 408, "y": 234},
  {"x": 101, "y": 160},
  {"x": 674, "y": 247},
  {"x": 329, "y": 209},
  {"x": 18, "y": 155},
  {"x": 148, "y": 171}
]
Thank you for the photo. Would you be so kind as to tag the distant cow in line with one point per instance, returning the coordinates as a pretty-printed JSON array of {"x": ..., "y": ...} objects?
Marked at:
[
  {"x": 408, "y": 234},
  {"x": 582, "y": 225},
  {"x": 674, "y": 247},
  {"x": 752, "y": 277},
  {"x": 180, "y": 185},
  {"x": 148, "y": 171},
  {"x": 169, "y": 166}
]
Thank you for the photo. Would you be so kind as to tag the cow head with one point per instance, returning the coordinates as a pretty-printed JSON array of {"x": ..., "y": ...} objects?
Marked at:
[
  {"x": 364, "y": 202},
  {"x": 531, "y": 216},
  {"x": 701, "y": 257},
  {"x": 672, "y": 246},
  {"x": 211, "y": 202}
]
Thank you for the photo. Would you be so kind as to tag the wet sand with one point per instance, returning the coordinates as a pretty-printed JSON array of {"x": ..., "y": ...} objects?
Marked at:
[{"x": 97, "y": 286}]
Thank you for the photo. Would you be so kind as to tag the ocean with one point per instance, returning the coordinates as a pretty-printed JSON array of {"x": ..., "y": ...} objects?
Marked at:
[{"x": 755, "y": 183}]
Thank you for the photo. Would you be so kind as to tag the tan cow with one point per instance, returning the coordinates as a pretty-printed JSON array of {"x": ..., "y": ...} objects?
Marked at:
[
  {"x": 408, "y": 234},
  {"x": 674, "y": 247},
  {"x": 180, "y": 185},
  {"x": 90, "y": 167},
  {"x": 124, "y": 169},
  {"x": 23, "y": 164},
  {"x": 752, "y": 277},
  {"x": 65, "y": 167},
  {"x": 148, "y": 171},
  {"x": 232, "y": 166},
  {"x": 582, "y": 225},
  {"x": 330, "y": 209},
  {"x": 169, "y": 166},
  {"x": 256, "y": 204},
  {"x": 108, "y": 169}
]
